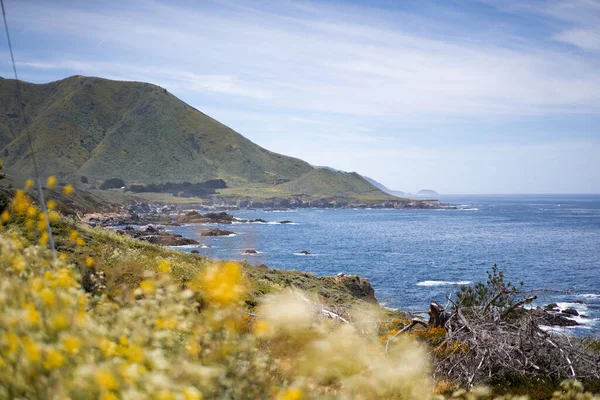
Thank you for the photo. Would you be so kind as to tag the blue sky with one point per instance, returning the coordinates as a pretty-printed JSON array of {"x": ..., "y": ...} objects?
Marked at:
[{"x": 456, "y": 96}]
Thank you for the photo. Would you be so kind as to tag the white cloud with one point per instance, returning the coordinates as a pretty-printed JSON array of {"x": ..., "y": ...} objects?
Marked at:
[
  {"x": 318, "y": 61},
  {"x": 584, "y": 38}
]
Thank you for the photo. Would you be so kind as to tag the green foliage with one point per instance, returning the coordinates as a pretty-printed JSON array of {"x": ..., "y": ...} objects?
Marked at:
[
  {"x": 112, "y": 183},
  {"x": 494, "y": 293},
  {"x": 185, "y": 189}
]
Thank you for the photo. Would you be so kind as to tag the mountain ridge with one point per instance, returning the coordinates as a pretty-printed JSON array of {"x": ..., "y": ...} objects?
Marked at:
[{"x": 99, "y": 129}]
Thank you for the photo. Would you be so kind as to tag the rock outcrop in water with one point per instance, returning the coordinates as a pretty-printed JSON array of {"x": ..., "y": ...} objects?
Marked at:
[
  {"x": 156, "y": 235},
  {"x": 216, "y": 232}
]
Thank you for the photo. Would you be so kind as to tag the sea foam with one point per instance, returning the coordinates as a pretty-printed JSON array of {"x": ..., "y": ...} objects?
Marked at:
[{"x": 443, "y": 283}]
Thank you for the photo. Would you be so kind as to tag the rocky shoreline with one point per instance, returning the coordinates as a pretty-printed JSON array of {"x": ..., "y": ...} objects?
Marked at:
[{"x": 154, "y": 218}]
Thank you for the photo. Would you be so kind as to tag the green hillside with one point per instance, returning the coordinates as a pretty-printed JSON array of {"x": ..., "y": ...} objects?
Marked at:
[
  {"x": 131, "y": 130},
  {"x": 324, "y": 182},
  {"x": 100, "y": 129}
]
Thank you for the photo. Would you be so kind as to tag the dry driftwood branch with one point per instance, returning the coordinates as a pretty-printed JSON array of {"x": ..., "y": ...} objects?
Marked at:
[{"x": 479, "y": 348}]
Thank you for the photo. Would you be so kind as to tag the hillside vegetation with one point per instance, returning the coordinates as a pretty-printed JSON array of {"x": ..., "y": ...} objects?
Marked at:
[{"x": 100, "y": 129}]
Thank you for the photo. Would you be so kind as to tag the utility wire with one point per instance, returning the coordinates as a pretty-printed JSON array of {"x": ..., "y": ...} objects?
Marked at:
[{"x": 22, "y": 106}]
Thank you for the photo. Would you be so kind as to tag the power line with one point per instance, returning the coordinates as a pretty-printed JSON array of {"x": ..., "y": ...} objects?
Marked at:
[{"x": 22, "y": 106}]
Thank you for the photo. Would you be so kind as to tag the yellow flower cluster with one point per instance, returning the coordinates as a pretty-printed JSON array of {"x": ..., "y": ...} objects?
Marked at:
[{"x": 36, "y": 221}]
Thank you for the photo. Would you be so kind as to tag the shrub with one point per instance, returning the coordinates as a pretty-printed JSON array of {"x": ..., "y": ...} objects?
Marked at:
[
  {"x": 495, "y": 294},
  {"x": 112, "y": 183}
]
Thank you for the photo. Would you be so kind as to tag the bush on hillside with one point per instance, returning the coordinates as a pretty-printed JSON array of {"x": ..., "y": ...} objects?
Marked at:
[
  {"x": 112, "y": 183},
  {"x": 185, "y": 189}
]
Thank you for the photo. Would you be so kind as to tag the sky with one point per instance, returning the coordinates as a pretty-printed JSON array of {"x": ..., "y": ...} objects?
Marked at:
[{"x": 457, "y": 96}]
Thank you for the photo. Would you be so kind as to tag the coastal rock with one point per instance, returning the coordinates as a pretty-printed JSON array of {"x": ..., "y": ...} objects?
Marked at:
[
  {"x": 155, "y": 235},
  {"x": 286, "y": 222},
  {"x": 570, "y": 312},
  {"x": 359, "y": 287},
  {"x": 305, "y": 252},
  {"x": 216, "y": 232},
  {"x": 552, "y": 307},
  {"x": 552, "y": 319},
  {"x": 194, "y": 217},
  {"x": 250, "y": 251},
  {"x": 168, "y": 240}
]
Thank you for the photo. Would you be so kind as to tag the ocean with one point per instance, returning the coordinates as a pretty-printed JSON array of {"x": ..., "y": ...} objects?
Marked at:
[{"x": 549, "y": 242}]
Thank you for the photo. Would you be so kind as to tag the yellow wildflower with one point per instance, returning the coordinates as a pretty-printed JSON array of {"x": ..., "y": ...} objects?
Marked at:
[
  {"x": 72, "y": 344},
  {"x": 54, "y": 359},
  {"x": 19, "y": 265},
  {"x": 192, "y": 393},
  {"x": 109, "y": 396},
  {"x": 12, "y": 341},
  {"x": 165, "y": 395},
  {"x": 53, "y": 216},
  {"x": 261, "y": 328},
  {"x": 223, "y": 284},
  {"x": 68, "y": 189},
  {"x": 73, "y": 235},
  {"x": 48, "y": 297},
  {"x": 5, "y": 217},
  {"x": 60, "y": 322},
  {"x": 50, "y": 205},
  {"x": 51, "y": 182},
  {"x": 107, "y": 347},
  {"x": 20, "y": 202},
  {"x": 135, "y": 354},
  {"x": 148, "y": 286},
  {"x": 291, "y": 394},
  {"x": 37, "y": 285},
  {"x": 32, "y": 315},
  {"x": 31, "y": 211},
  {"x": 80, "y": 242},
  {"x": 170, "y": 323},
  {"x": 44, "y": 238},
  {"x": 63, "y": 257},
  {"x": 29, "y": 183},
  {"x": 89, "y": 262},
  {"x": 106, "y": 380},
  {"x": 164, "y": 266},
  {"x": 193, "y": 348},
  {"x": 64, "y": 279},
  {"x": 32, "y": 351},
  {"x": 123, "y": 341}
]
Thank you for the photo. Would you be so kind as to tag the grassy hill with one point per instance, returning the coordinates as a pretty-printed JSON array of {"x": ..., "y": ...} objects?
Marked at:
[
  {"x": 101, "y": 129},
  {"x": 321, "y": 182},
  {"x": 131, "y": 130}
]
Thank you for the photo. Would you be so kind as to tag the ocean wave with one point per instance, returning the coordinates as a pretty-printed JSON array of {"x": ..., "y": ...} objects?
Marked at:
[
  {"x": 306, "y": 255},
  {"x": 264, "y": 223},
  {"x": 252, "y": 254},
  {"x": 470, "y": 209},
  {"x": 443, "y": 283},
  {"x": 589, "y": 296},
  {"x": 184, "y": 246}
]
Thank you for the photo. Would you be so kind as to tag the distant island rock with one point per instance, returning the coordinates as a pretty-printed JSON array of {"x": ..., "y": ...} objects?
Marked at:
[{"x": 427, "y": 193}]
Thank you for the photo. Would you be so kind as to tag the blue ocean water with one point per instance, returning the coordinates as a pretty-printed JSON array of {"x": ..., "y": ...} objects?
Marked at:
[{"x": 549, "y": 242}]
